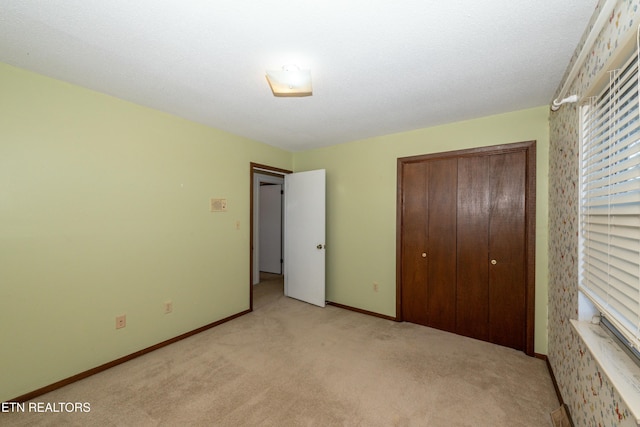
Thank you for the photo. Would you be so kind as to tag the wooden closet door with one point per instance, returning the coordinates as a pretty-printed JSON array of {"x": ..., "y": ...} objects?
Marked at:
[
  {"x": 507, "y": 248},
  {"x": 415, "y": 212},
  {"x": 491, "y": 248},
  {"x": 441, "y": 244},
  {"x": 429, "y": 244},
  {"x": 466, "y": 243},
  {"x": 473, "y": 247}
]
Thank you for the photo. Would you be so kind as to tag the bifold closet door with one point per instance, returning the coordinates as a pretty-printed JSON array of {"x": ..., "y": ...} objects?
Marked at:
[
  {"x": 415, "y": 213},
  {"x": 466, "y": 242},
  {"x": 429, "y": 244},
  {"x": 472, "y": 315},
  {"x": 507, "y": 250},
  {"x": 491, "y": 248}
]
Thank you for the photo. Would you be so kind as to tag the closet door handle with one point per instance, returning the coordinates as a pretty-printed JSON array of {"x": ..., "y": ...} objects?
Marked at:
[
  {"x": 424, "y": 254},
  {"x": 494, "y": 262}
]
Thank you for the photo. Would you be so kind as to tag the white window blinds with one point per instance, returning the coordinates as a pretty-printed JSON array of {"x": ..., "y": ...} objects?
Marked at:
[{"x": 610, "y": 202}]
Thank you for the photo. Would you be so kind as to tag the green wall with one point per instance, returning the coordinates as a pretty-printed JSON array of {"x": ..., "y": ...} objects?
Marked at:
[
  {"x": 361, "y": 204},
  {"x": 104, "y": 210}
]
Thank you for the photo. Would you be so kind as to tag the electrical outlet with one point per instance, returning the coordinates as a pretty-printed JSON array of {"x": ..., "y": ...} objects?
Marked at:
[
  {"x": 121, "y": 321},
  {"x": 168, "y": 307},
  {"x": 375, "y": 286}
]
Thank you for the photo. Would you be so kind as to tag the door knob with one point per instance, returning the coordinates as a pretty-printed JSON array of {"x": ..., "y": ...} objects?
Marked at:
[
  {"x": 424, "y": 254},
  {"x": 494, "y": 262},
  {"x": 320, "y": 246}
]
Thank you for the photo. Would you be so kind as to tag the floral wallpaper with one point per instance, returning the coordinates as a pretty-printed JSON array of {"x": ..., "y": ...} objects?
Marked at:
[{"x": 591, "y": 398}]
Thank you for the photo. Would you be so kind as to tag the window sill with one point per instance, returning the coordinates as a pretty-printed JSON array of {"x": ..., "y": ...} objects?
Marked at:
[{"x": 623, "y": 373}]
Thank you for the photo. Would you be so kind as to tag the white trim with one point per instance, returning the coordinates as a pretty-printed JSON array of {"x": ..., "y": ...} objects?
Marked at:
[{"x": 622, "y": 372}]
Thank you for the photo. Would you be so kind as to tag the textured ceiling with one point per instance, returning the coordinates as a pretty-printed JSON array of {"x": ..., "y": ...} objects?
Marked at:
[{"x": 378, "y": 66}]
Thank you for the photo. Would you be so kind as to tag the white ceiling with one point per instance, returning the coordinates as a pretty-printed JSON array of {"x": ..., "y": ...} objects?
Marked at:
[{"x": 378, "y": 66}]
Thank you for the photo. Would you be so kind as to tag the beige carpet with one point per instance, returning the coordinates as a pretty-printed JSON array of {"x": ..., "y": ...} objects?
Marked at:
[{"x": 293, "y": 364}]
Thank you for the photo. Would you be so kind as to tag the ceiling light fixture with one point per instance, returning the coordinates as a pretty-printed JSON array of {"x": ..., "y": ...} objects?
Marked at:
[{"x": 290, "y": 81}]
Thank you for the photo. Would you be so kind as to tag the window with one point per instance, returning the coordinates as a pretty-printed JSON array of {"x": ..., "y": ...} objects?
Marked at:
[{"x": 610, "y": 202}]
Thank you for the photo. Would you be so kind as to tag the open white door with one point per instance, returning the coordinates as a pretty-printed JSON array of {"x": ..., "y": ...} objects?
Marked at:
[{"x": 304, "y": 236}]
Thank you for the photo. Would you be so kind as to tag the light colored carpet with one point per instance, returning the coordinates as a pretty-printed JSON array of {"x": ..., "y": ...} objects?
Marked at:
[{"x": 293, "y": 364}]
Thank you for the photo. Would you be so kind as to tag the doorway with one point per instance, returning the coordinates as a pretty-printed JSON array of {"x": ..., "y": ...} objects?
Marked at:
[
  {"x": 303, "y": 231},
  {"x": 265, "y": 224}
]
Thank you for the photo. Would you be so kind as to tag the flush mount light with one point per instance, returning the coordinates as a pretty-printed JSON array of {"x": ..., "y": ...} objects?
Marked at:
[{"x": 290, "y": 81}]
